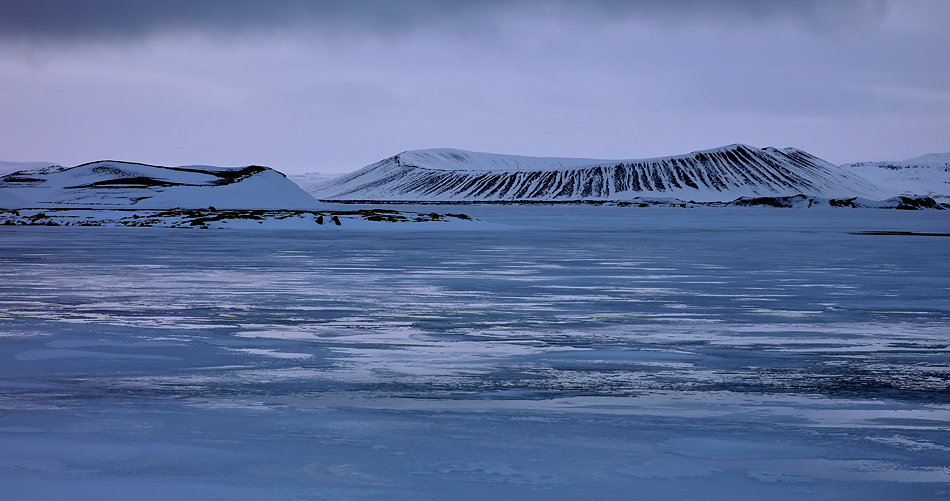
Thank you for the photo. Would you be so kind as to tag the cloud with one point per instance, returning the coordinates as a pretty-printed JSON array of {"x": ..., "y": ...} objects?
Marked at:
[
  {"x": 333, "y": 86},
  {"x": 98, "y": 20}
]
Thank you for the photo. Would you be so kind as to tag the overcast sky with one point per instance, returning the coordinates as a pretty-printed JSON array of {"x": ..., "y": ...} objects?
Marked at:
[{"x": 332, "y": 86}]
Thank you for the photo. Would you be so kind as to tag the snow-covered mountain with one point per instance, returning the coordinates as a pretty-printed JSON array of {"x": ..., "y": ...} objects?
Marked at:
[
  {"x": 927, "y": 175},
  {"x": 110, "y": 184},
  {"x": 10, "y": 167},
  {"x": 312, "y": 181},
  {"x": 720, "y": 174}
]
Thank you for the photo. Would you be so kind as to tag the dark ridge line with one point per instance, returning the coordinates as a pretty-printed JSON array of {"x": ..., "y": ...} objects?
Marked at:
[
  {"x": 227, "y": 172},
  {"x": 901, "y": 233},
  {"x": 115, "y": 162},
  {"x": 130, "y": 182},
  {"x": 12, "y": 178}
]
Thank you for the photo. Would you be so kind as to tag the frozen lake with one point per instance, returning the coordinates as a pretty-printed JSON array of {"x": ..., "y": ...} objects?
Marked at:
[{"x": 566, "y": 352}]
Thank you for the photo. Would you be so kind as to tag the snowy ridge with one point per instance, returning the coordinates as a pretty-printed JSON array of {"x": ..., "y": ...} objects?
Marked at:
[
  {"x": 720, "y": 174},
  {"x": 923, "y": 176},
  {"x": 936, "y": 161},
  {"x": 451, "y": 159},
  {"x": 110, "y": 184},
  {"x": 10, "y": 167}
]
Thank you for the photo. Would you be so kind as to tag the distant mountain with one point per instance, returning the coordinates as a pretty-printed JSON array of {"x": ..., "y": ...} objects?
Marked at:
[
  {"x": 110, "y": 184},
  {"x": 311, "y": 181},
  {"x": 8, "y": 167},
  {"x": 923, "y": 176},
  {"x": 720, "y": 174},
  {"x": 935, "y": 161}
]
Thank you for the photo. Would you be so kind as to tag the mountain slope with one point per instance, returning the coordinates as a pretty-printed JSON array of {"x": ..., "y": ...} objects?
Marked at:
[
  {"x": 923, "y": 176},
  {"x": 719, "y": 174},
  {"x": 123, "y": 184},
  {"x": 311, "y": 181},
  {"x": 10, "y": 167}
]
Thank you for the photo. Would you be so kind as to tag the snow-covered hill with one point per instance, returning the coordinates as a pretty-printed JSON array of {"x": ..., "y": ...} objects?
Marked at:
[
  {"x": 312, "y": 181},
  {"x": 923, "y": 176},
  {"x": 110, "y": 184},
  {"x": 10, "y": 167},
  {"x": 720, "y": 174}
]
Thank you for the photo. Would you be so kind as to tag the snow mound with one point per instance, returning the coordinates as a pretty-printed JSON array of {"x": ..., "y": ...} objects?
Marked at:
[
  {"x": 110, "y": 184},
  {"x": 923, "y": 176},
  {"x": 720, "y": 174}
]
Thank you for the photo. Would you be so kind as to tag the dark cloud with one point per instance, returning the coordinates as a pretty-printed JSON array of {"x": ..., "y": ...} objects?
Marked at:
[
  {"x": 343, "y": 84},
  {"x": 71, "y": 20}
]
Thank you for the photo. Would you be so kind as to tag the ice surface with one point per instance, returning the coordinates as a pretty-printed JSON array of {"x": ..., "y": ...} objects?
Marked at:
[
  {"x": 665, "y": 468},
  {"x": 557, "y": 352}
]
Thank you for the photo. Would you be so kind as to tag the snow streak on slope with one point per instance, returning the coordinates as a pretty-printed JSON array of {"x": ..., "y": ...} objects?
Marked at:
[
  {"x": 122, "y": 184},
  {"x": 923, "y": 176},
  {"x": 720, "y": 174}
]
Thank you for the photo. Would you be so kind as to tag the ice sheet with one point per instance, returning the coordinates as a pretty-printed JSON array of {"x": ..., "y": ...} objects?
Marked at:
[{"x": 563, "y": 352}]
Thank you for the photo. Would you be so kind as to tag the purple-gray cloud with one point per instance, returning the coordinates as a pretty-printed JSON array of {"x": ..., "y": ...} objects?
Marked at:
[
  {"x": 333, "y": 86},
  {"x": 71, "y": 20}
]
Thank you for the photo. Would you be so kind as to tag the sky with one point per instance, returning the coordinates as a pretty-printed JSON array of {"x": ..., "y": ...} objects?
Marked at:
[{"x": 332, "y": 86}]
